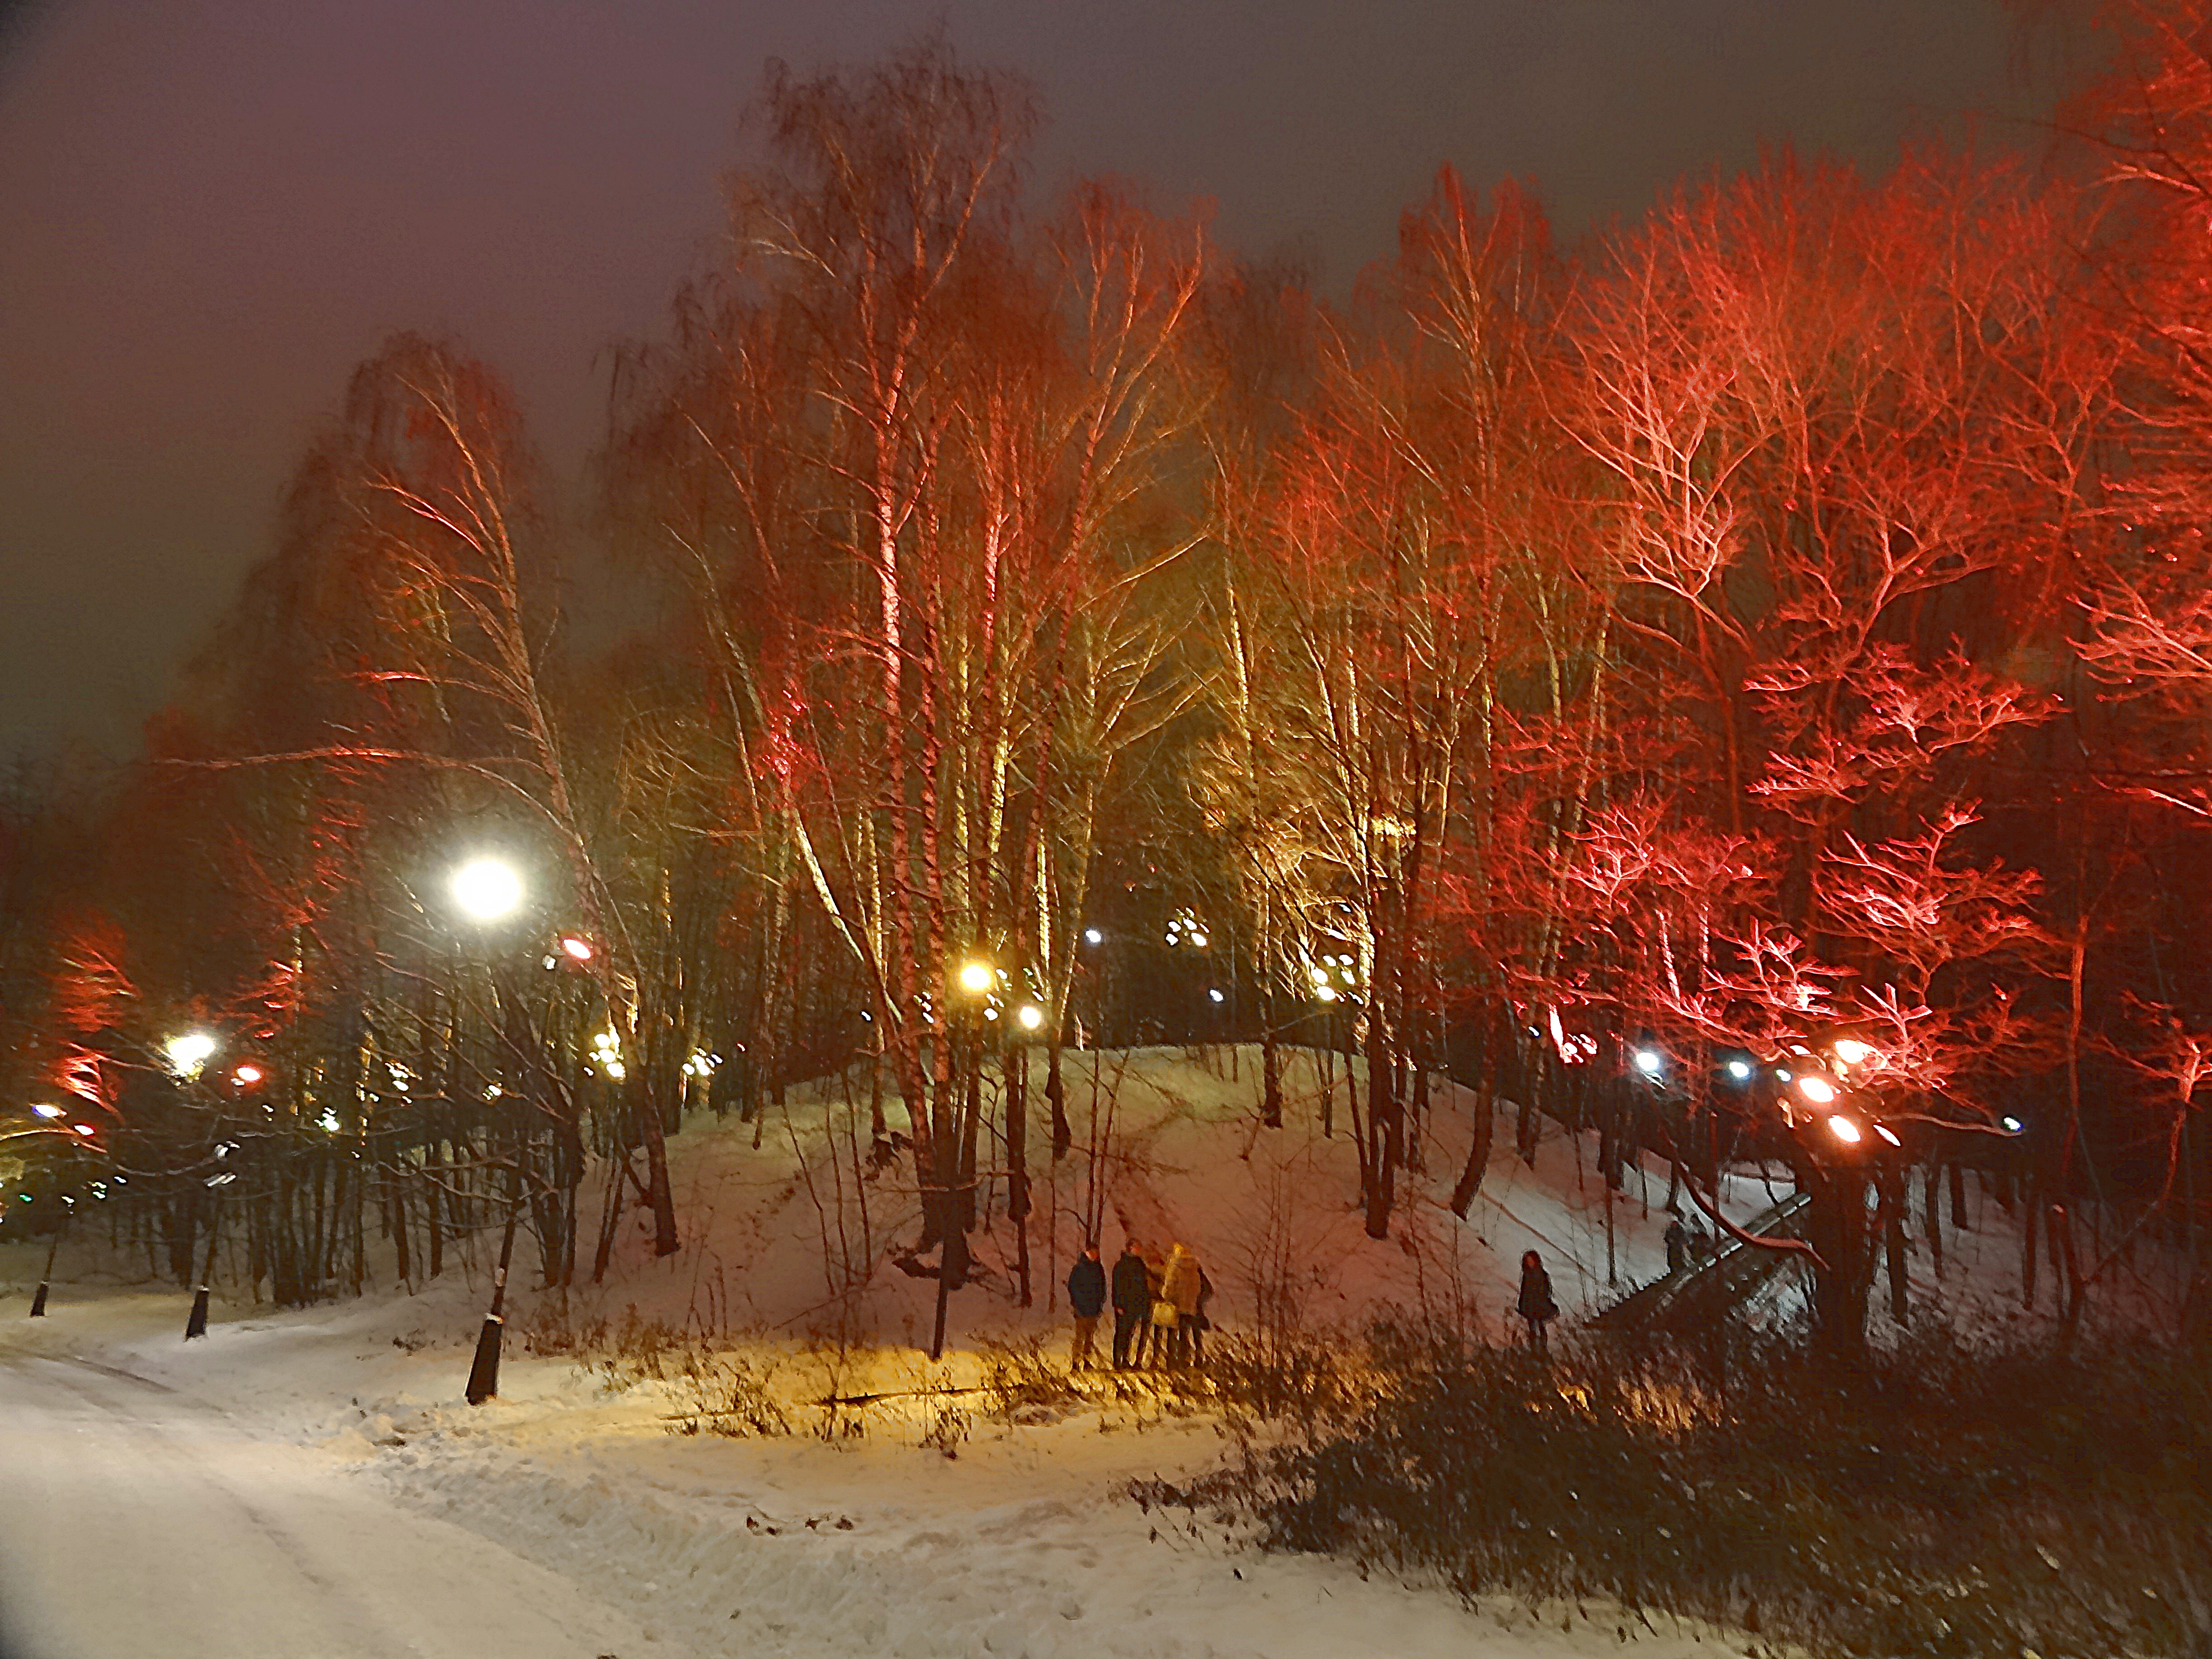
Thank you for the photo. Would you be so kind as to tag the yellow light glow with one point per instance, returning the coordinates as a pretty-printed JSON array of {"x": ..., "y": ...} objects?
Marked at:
[
  {"x": 1032, "y": 1016},
  {"x": 188, "y": 1053},
  {"x": 1818, "y": 1090},
  {"x": 976, "y": 977},
  {"x": 1844, "y": 1130},
  {"x": 1852, "y": 1052}
]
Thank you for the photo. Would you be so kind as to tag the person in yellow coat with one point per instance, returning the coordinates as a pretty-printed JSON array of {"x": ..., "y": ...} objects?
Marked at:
[{"x": 1179, "y": 1289}]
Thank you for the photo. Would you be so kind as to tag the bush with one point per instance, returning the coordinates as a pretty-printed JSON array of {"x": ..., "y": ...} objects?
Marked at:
[{"x": 1935, "y": 1501}]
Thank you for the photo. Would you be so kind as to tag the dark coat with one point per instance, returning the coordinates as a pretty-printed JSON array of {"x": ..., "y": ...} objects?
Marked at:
[
  {"x": 1086, "y": 1287},
  {"x": 1536, "y": 1295},
  {"x": 1133, "y": 1286}
]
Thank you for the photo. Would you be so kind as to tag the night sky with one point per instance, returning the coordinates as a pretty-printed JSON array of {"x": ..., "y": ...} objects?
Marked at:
[{"x": 208, "y": 212}]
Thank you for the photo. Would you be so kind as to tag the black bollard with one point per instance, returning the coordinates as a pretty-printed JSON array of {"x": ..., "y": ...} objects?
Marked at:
[
  {"x": 197, "y": 1325},
  {"x": 483, "y": 1375},
  {"x": 53, "y": 1250}
]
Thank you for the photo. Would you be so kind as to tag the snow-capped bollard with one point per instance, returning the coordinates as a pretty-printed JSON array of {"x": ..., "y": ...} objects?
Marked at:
[
  {"x": 483, "y": 1375},
  {"x": 197, "y": 1325},
  {"x": 38, "y": 1301}
]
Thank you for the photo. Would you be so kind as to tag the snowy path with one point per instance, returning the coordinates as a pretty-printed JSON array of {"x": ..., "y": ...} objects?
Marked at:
[{"x": 136, "y": 1520}]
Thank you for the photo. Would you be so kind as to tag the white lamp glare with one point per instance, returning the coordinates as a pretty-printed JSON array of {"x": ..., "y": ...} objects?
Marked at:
[
  {"x": 487, "y": 890},
  {"x": 1649, "y": 1062},
  {"x": 188, "y": 1053}
]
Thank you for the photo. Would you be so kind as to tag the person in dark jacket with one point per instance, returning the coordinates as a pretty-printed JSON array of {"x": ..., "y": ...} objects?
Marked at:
[
  {"x": 1678, "y": 1242},
  {"x": 1086, "y": 1296},
  {"x": 1535, "y": 1304},
  {"x": 1133, "y": 1300}
]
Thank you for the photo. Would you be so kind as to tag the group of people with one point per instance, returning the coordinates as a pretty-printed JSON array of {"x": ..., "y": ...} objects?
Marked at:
[
  {"x": 1160, "y": 1306},
  {"x": 1159, "y": 1303},
  {"x": 1685, "y": 1244}
]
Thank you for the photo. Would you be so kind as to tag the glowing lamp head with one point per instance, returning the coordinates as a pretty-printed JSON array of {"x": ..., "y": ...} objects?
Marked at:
[
  {"x": 1198, "y": 939},
  {"x": 1850, "y": 1051},
  {"x": 1031, "y": 1017},
  {"x": 1093, "y": 936},
  {"x": 2012, "y": 1126},
  {"x": 1214, "y": 993},
  {"x": 1739, "y": 1070},
  {"x": 1324, "y": 994},
  {"x": 1649, "y": 1062},
  {"x": 46, "y": 1111},
  {"x": 1844, "y": 1130},
  {"x": 188, "y": 1053},
  {"x": 1818, "y": 1090},
  {"x": 576, "y": 949},
  {"x": 976, "y": 977},
  {"x": 1888, "y": 1135},
  {"x": 487, "y": 890},
  {"x": 246, "y": 1075},
  {"x": 85, "y": 1129}
]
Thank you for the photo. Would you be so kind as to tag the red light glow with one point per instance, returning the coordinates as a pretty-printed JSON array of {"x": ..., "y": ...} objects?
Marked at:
[{"x": 576, "y": 949}]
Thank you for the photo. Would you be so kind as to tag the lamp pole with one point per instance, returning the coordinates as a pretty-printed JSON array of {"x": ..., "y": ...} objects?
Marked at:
[{"x": 487, "y": 891}]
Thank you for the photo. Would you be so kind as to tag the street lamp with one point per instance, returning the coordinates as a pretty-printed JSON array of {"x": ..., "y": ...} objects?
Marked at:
[
  {"x": 486, "y": 889},
  {"x": 188, "y": 1053},
  {"x": 1818, "y": 1090},
  {"x": 1030, "y": 1016},
  {"x": 975, "y": 976}
]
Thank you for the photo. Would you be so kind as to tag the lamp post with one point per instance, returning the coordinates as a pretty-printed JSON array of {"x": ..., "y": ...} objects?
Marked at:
[
  {"x": 487, "y": 889},
  {"x": 974, "y": 980}
]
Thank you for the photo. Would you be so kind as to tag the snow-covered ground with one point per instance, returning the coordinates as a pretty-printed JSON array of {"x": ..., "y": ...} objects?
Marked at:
[
  {"x": 311, "y": 1482},
  {"x": 300, "y": 1485}
]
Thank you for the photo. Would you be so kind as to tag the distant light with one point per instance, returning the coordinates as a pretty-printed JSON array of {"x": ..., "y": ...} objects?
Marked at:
[
  {"x": 576, "y": 949},
  {"x": 1030, "y": 1016},
  {"x": 1818, "y": 1090},
  {"x": 1783, "y": 1073},
  {"x": 246, "y": 1075},
  {"x": 1324, "y": 994},
  {"x": 1093, "y": 936},
  {"x": 1739, "y": 1070},
  {"x": 46, "y": 1111},
  {"x": 1650, "y": 1061},
  {"x": 1844, "y": 1130},
  {"x": 2013, "y": 1125},
  {"x": 1851, "y": 1051},
  {"x": 329, "y": 1121},
  {"x": 990, "y": 1013},
  {"x": 85, "y": 1129},
  {"x": 1198, "y": 939},
  {"x": 487, "y": 890},
  {"x": 1888, "y": 1135},
  {"x": 1214, "y": 993},
  {"x": 1321, "y": 977},
  {"x": 188, "y": 1053},
  {"x": 976, "y": 977}
]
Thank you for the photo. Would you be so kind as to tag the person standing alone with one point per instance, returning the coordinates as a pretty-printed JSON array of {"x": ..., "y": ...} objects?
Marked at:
[
  {"x": 1536, "y": 1305},
  {"x": 1133, "y": 1300},
  {"x": 1086, "y": 1296}
]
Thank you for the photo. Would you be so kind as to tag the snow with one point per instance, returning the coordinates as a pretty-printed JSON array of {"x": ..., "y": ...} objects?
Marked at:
[
  {"x": 310, "y": 1481},
  {"x": 301, "y": 1484}
]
